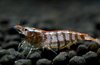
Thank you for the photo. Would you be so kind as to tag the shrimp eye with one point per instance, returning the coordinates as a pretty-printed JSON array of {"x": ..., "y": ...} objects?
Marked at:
[{"x": 25, "y": 29}]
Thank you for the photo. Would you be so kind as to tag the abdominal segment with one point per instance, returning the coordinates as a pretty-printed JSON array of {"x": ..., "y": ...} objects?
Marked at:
[{"x": 61, "y": 39}]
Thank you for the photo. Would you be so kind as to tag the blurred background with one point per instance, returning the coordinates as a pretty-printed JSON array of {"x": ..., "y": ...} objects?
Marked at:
[{"x": 77, "y": 15}]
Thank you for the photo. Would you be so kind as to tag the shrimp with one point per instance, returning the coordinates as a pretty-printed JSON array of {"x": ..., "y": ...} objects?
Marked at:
[{"x": 58, "y": 39}]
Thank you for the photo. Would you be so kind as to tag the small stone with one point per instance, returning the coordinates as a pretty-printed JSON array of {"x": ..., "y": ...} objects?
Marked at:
[
  {"x": 91, "y": 57},
  {"x": 87, "y": 43},
  {"x": 3, "y": 52},
  {"x": 98, "y": 52},
  {"x": 61, "y": 58},
  {"x": 11, "y": 44},
  {"x": 23, "y": 62},
  {"x": 43, "y": 62},
  {"x": 35, "y": 56},
  {"x": 82, "y": 49},
  {"x": 0, "y": 48},
  {"x": 72, "y": 53},
  {"x": 77, "y": 60},
  {"x": 93, "y": 46},
  {"x": 1, "y": 38},
  {"x": 15, "y": 53},
  {"x": 99, "y": 62},
  {"x": 75, "y": 46},
  {"x": 49, "y": 54},
  {"x": 15, "y": 38},
  {"x": 7, "y": 59}
]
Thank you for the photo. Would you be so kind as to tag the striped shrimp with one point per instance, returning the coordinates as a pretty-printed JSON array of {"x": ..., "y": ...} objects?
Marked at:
[{"x": 59, "y": 39}]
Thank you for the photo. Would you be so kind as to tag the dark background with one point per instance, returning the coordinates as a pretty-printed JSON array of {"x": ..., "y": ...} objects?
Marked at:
[{"x": 78, "y": 15}]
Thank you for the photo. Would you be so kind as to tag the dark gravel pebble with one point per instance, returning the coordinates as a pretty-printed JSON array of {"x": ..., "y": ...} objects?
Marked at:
[
  {"x": 91, "y": 57},
  {"x": 82, "y": 49},
  {"x": 7, "y": 59},
  {"x": 72, "y": 53},
  {"x": 10, "y": 51},
  {"x": 15, "y": 53},
  {"x": 1, "y": 38},
  {"x": 87, "y": 43},
  {"x": 46, "y": 53},
  {"x": 35, "y": 56},
  {"x": 77, "y": 60},
  {"x": 43, "y": 62},
  {"x": 98, "y": 52},
  {"x": 11, "y": 44},
  {"x": 93, "y": 46},
  {"x": 99, "y": 62},
  {"x": 23, "y": 62},
  {"x": 0, "y": 48},
  {"x": 61, "y": 58},
  {"x": 3, "y": 52},
  {"x": 74, "y": 46},
  {"x": 9, "y": 38}
]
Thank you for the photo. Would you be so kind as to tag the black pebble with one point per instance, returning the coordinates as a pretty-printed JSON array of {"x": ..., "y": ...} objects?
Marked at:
[
  {"x": 7, "y": 59},
  {"x": 1, "y": 38},
  {"x": 98, "y": 52},
  {"x": 61, "y": 59},
  {"x": 3, "y": 52},
  {"x": 35, "y": 56},
  {"x": 93, "y": 46},
  {"x": 72, "y": 53},
  {"x": 23, "y": 62},
  {"x": 99, "y": 62},
  {"x": 77, "y": 60},
  {"x": 87, "y": 43},
  {"x": 9, "y": 38},
  {"x": 91, "y": 57},
  {"x": 0, "y": 48},
  {"x": 82, "y": 49},
  {"x": 11, "y": 44},
  {"x": 49, "y": 54},
  {"x": 43, "y": 62},
  {"x": 15, "y": 53}
]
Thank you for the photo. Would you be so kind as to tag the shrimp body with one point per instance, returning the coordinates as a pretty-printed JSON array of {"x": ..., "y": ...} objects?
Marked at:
[
  {"x": 64, "y": 38},
  {"x": 52, "y": 39}
]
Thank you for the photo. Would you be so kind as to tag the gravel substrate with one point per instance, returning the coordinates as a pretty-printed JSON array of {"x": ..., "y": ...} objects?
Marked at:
[{"x": 80, "y": 54}]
